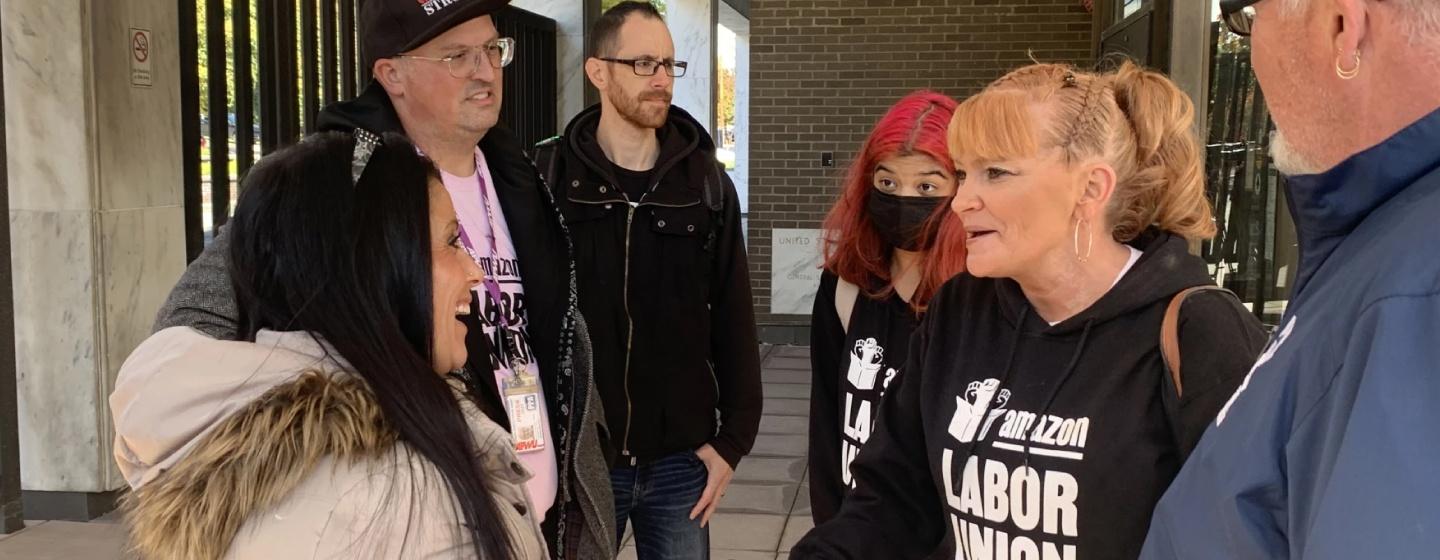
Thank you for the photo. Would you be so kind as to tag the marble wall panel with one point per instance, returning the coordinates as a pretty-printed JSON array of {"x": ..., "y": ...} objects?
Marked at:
[
  {"x": 572, "y": 80},
  {"x": 143, "y": 255},
  {"x": 87, "y": 279},
  {"x": 138, "y": 128},
  {"x": 46, "y": 105},
  {"x": 569, "y": 19},
  {"x": 568, "y": 14},
  {"x": 794, "y": 270},
  {"x": 53, "y": 256},
  {"x": 692, "y": 26}
]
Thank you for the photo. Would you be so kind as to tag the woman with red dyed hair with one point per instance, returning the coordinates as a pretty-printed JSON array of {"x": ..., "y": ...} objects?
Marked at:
[{"x": 885, "y": 255}]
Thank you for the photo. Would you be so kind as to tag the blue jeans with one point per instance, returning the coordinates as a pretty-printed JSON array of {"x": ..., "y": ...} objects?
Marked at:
[{"x": 658, "y": 497}]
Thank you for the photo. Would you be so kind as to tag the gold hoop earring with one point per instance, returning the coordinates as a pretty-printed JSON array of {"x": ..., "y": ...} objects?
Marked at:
[
  {"x": 1089, "y": 240},
  {"x": 1351, "y": 73}
]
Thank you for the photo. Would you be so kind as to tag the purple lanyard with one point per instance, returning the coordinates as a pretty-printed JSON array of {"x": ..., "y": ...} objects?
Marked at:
[{"x": 491, "y": 286}]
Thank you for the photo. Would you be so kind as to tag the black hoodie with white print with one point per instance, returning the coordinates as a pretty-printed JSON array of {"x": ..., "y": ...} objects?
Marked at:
[{"x": 1010, "y": 438}]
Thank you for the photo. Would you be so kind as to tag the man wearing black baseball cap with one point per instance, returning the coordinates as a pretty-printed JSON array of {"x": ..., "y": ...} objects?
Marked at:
[{"x": 438, "y": 69}]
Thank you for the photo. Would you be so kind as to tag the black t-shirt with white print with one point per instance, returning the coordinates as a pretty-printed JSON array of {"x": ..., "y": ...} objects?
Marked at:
[{"x": 850, "y": 371}]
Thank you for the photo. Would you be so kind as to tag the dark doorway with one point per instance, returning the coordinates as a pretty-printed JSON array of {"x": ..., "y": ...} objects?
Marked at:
[
  {"x": 528, "y": 103},
  {"x": 1134, "y": 29}
]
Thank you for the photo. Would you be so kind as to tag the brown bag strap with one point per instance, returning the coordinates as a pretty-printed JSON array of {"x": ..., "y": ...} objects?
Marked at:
[{"x": 1170, "y": 333}]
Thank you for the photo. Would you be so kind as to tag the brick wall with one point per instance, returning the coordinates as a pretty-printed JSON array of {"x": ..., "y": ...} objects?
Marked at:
[{"x": 823, "y": 71}]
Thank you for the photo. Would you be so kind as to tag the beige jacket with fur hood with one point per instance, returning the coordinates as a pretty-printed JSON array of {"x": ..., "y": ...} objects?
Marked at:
[{"x": 270, "y": 451}]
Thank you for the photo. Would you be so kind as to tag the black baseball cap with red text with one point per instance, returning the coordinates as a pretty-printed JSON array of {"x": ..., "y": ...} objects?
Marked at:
[{"x": 391, "y": 27}]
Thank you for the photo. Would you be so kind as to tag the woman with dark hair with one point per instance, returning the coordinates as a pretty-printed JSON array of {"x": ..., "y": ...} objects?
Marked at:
[
  {"x": 884, "y": 258},
  {"x": 336, "y": 428}
]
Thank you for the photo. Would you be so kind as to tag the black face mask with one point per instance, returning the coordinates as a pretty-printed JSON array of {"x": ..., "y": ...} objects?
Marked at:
[{"x": 900, "y": 220}]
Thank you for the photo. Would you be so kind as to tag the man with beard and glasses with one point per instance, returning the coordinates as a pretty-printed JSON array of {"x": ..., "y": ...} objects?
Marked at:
[
  {"x": 1329, "y": 447},
  {"x": 438, "y": 69},
  {"x": 664, "y": 284}
]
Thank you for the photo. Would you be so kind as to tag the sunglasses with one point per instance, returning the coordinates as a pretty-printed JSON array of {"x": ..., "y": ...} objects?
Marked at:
[{"x": 1238, "y": 15}]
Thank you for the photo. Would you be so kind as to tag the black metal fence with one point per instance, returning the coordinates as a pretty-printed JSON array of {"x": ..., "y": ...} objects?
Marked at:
[
  {"x": 528, "y": 102},
  {"x": 270, "y": 66},
  {"x": 1253, "y": 254}
]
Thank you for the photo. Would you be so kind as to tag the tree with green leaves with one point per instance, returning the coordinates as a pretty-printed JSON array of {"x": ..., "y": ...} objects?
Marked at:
[
  {"x": 201, "y": 18},
  {"x": 725, "y": 98}
]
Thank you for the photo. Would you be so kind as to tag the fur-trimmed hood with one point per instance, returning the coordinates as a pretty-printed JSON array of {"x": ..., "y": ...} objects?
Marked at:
[{"x": 270, "y": 449}]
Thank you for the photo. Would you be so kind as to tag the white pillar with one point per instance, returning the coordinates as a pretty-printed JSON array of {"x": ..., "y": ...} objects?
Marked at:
[
  {"x": 1190, "y": 64},
  {"x": 1190, "y": 55},
  {"x": 96, "y": 218},
  {"x": 570, "y": 53},
  {"x": 692, "y": 26},
  {"x": 740, "y": 26}
]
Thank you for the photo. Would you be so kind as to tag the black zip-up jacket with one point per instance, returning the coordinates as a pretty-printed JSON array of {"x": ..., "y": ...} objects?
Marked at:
[
  {"x": 542, "y": 246},
  {"x": 665, "y": 286},
  {"x": 1007, "y": 437}
]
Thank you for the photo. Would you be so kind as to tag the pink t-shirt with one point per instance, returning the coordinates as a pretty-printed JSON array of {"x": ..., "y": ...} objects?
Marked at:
[{"x": 504, "y": 266}]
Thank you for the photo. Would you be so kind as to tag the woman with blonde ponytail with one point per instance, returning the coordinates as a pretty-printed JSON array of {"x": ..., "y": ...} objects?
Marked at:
[{"x": 1038, "y": 416}]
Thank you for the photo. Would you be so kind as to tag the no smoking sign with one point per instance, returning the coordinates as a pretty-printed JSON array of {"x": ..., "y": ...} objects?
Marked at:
[
  {"x": 140, "y": 48},
  {"x": 140, "y": 44}
]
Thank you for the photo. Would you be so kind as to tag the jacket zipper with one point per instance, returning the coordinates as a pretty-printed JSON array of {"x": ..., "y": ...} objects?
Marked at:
[
  {"x": 631, "y": 207},
  {"x": 630, "y": 327}
]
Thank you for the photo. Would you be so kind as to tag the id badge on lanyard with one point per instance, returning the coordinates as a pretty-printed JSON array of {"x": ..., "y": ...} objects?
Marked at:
[
  {"x": 521, "y": 387},
  {"x": 522, "y": 400}
]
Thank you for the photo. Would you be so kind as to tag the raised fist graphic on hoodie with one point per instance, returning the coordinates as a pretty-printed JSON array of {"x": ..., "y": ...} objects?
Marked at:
[
  {"x": 970, "y": 408},
  {"x": 865, "y": 363}
]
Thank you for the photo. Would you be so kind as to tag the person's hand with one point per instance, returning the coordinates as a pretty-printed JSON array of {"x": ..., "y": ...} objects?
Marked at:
[{"x": 715, "y": 484}]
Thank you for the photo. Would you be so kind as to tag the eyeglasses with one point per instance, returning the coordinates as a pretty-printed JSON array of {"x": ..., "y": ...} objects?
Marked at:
[
  {"x": 648, "y": 67},
  {"x": 1239, "y": 15},
  {"x": 465, "y": 64}
]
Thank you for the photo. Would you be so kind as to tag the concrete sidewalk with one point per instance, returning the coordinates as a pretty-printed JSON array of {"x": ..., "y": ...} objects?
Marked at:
[
  {"x": 766, "y": 509},
  {"x": 100, "y": 539}
]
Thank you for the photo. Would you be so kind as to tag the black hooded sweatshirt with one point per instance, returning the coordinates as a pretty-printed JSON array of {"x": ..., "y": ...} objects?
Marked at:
[
  {"x": 665, "y": 288},
  {"x": 850, "y": 369},
  {"x": 1011, "y": 438}
]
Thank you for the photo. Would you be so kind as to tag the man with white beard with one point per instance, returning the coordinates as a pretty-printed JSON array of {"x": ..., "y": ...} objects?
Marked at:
[{"x": 1328, "y": 449}]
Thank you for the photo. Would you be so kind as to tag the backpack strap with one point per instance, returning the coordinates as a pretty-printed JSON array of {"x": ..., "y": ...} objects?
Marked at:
[
  {"x": 545, "y": 156},
  {"x": 846, "y": 294},
  {"x": 1170, "y": 332},
  {"x": 714, "y": 198}
]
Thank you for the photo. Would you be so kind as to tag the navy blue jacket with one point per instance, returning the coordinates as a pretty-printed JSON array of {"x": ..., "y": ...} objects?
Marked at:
[{"x": 1331, "y": 446}]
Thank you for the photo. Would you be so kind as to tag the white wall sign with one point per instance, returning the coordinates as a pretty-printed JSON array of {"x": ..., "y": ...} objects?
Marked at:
[
  {"x": 139, "y": 45},
  {"x": 794, "y": 270}
]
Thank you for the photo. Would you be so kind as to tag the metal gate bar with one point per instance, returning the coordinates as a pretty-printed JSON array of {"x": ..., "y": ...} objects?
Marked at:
[{"x": 219, "y": 115}]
